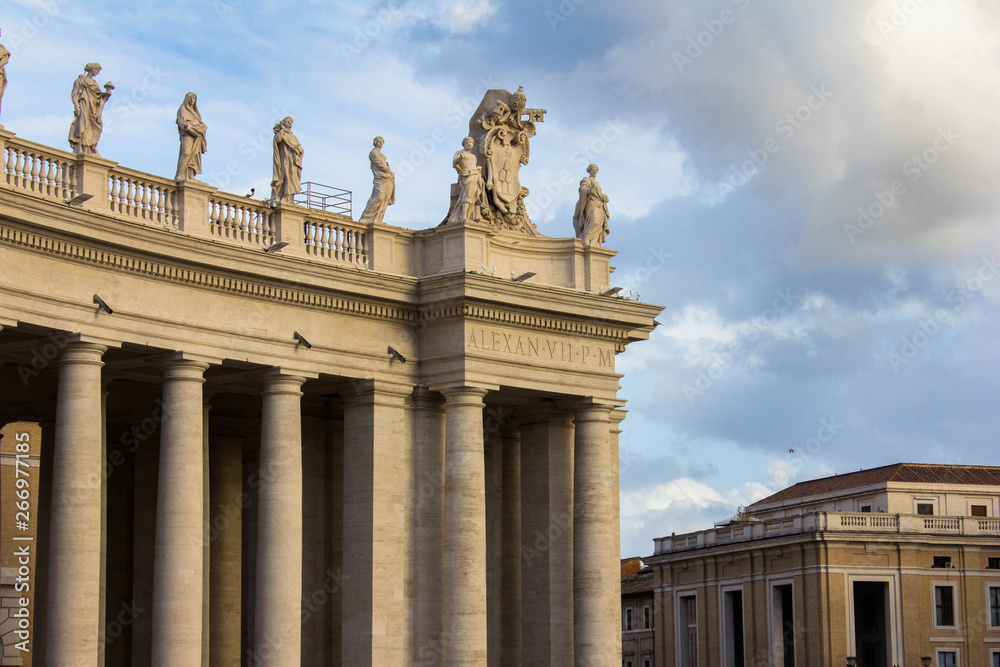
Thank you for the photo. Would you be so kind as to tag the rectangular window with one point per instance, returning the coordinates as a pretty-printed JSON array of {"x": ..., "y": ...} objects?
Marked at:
[
  {"x": 994, "y": 606},
  {"x": 995, "y": 660},
  {"x": 628, "y": 618},
  {"x": 978, "y": 510},
  {"x": 944, "y": 606},
  {"x": 628, "y": 663},
  {"x": 947, "y": 659},
  {"x": 866, "y": 508},
  {"x": 687, "y": 630},
  {"x": 645, "y": 662},
  {"x": 732, "y": 602},
  {"x": 925, "y": 508},
  {"x": 942, "y": 561},
  {"x": 647, "y": 617},
  {"x": 993, "y": 563}
]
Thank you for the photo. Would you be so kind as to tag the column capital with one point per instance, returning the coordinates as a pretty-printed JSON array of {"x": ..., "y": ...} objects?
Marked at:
[
  {"x": 275, "y": 381},
  {"x": 180, "y": 368},
  {"x": 589, "y": 409},
  {"x": 464, "y": 395},
  {"x": 76, "y": 352}
]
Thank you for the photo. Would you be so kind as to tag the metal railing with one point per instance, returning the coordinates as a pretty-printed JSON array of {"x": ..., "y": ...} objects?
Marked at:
[{"x": 324, "y": 198}]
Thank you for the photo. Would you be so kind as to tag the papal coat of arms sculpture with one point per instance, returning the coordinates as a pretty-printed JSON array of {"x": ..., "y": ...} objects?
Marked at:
[{"x": 491, "y": 192}]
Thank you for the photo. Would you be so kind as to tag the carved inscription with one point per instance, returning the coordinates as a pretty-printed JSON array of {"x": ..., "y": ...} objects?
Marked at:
[{"x": 539, "y": 347}]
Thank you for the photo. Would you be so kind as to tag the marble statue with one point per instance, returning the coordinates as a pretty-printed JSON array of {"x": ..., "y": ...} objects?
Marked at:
[
  {"x": 4, "y": 57},
  {"x": 192, "y": 134},
  {"x": 88, "y": 105},
  {"x": 591, "y": 216},
  {"x": 471, "y": 202},
  {"x": 383, "y": 187},
  {"x": 502, "y": 127},
  {"x": 286, "y": 178}
]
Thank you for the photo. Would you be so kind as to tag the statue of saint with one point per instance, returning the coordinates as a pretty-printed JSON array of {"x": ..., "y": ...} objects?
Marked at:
[
  {"x": 286, "y": 179},
  {"x": 383, "y": 188},
  {"x": 88, "y": 105},
  {"x": 471, "y": 199},
  {"x": 192, "y": 133},
  {"x": 4, "y": 57},
  {"x": 591, "y": 216}
]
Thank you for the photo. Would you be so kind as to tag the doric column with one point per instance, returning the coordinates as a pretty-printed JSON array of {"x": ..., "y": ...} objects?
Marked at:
[
  {"x": 547, "y": 535},
  {"x": 179, "y": 552},
  {"x": 226, "y": 538},
  {"x": 428, "y": 495},
  {"x": 277, "y": 636},
  {"x": 75, "y": 524},
  {"x": 596, "y": 591},
  {"x": 464, "y": 528},
  {"x": 378, "y": 534},
  {"x": 510, "y": 577}
]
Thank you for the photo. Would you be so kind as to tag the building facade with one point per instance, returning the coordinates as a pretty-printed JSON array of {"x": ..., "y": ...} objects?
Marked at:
[
  {"x": 886, "y": 566},
  {"x": 638, "y": 640},
  {"x": 360, "y": 448}
]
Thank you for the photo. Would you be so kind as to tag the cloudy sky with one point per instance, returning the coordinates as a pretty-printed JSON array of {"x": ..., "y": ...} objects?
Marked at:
[{"x": 810, "y": 189}]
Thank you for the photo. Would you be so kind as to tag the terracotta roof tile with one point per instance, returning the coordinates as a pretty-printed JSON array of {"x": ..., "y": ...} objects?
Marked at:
[{"x": 920, "y": 473}]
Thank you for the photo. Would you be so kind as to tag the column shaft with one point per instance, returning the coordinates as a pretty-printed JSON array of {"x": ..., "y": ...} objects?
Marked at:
[
  {"x": 75, "y": 542},
  {"x": 428, "y": 492},
  {"x": 465, "y": 623},
  {"x": 278, "y": 632},
  {"x": 179, "y": 550},
  {"x": 378, "y": 536},
  {"x": 596, "y": 589},
  {"x": 510, "y": 577},
  {"x": 226, "y": 538}
]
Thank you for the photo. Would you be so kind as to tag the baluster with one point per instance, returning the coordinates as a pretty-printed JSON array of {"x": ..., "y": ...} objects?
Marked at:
[
  {"x": 145, "y": 200},
  {"x": 265, "y": 221},
  {"x": 114, "y": 191},
  {"x": 64, "y": 180},
  {"x": 34, "y": 173},
  {"x": 18, "y": 165},
  {"x": 9, "y": 166},
  {"x": 353, "y": 257},
  {"x": 310, "y": 238},
  {"x": 323, "y": 240},
  {"x": 239, "y": 213},
  {"x": 156, "y": 204},
  {"x": 231, "y": 221}
]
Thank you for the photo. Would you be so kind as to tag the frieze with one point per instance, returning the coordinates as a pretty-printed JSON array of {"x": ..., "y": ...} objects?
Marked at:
[{"x": 546, "y": 348}]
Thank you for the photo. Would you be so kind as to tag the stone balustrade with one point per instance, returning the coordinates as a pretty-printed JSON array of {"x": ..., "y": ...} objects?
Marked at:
[
  {"x": 200, "y": 210},
  {"x": 838, "y": 522}
]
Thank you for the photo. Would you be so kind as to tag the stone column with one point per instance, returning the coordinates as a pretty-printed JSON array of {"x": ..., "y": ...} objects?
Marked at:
[
  {"x": 277, "y": 636},
  {"x": 226, "y": 539},
  {"x": 75, "y": 542},
  {"x": 493, "y": 445},
  {"x": 464, "y": 528},
  {"x": 510, "y": 577},
  {"x": 615, "y": 550},
  {"x": 335, "y": 444},
  {"x": 378, "y": 533},
  {"x": 428, "y": 492},
  {"x": 596, "y": 591},
  {"x": 179, "y": 551},
  {"x": 547, "y": 535},
  {"x": 206, "y": 542}
]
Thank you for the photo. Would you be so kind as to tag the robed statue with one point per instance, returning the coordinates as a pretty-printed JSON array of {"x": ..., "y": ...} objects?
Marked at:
[
  {"x": 88, "y": 106},
  {"x": 590, "y": 219},
  {"x": 383, "y": 188},
  {"x": 4, "y": 57},
  {"x": 286, "y": 179},
  {"x": 192, "y": 134},
  {"x": 470, "y": 204}
]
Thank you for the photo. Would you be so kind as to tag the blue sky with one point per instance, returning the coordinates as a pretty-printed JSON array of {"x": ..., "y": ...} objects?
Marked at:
[{"x": 810, "y": 189}]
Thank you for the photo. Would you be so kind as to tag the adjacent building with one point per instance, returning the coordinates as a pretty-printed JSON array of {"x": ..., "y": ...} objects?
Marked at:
[
  {"x": 637, "y": 614},
  {"x": 886, "y": 566}
]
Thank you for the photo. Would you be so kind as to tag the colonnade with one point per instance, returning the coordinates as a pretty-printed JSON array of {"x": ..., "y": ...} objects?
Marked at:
[{"x": 461, "y": 540}]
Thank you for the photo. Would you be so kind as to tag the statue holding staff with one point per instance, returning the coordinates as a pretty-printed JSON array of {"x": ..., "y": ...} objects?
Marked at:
[{"x": 286, "y": 179}]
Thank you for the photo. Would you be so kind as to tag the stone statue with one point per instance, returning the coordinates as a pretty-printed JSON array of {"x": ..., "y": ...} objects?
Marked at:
[
  {"x": 192, "y": 134},
  {"x": 591, "y": 216},
  {"x": 286, "y": 178},
  {"x": 471, "y": 202},
  {"x": 88, "y": 105},
  {"x": 383, "y": 188},
  {"x": 501, "y": 128},
  {"x": 4, "y": 57}
]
